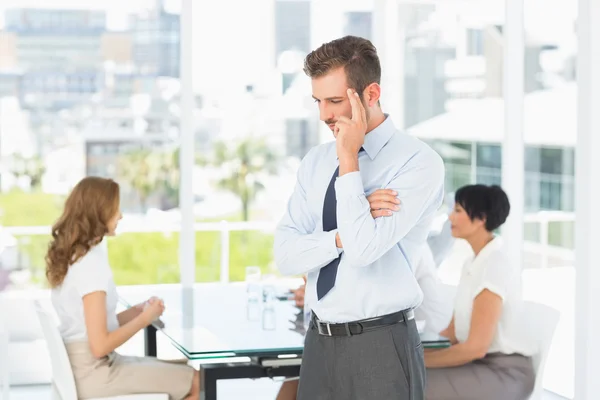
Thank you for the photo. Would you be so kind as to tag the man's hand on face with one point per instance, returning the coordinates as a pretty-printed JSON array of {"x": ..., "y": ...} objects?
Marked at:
[
  {"x": 350, "y": 132},
  {"x": 383, "y": 203}
]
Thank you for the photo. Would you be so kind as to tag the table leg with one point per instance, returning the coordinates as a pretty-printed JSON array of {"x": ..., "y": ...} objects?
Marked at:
[
  {"x": 208, "y": 384},
  {"x": 150, "y": 341},
  {"x": 211, "y": 373}
]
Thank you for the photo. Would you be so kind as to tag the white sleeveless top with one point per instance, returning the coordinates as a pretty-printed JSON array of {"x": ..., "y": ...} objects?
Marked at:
[
  {"x": 492, "y": 270},
  {"x": 91, "y": 273}
]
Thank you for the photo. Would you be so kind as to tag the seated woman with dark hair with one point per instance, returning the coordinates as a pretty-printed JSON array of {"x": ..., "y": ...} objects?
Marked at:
[{"x": 488, "y": 359}]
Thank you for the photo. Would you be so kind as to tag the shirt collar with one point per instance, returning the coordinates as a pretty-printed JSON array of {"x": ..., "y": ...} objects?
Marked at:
[{"x": 378, "y": 137}]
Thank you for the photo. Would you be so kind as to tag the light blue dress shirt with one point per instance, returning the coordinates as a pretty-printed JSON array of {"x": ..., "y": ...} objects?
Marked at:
[{"x": 374, "y": 276}]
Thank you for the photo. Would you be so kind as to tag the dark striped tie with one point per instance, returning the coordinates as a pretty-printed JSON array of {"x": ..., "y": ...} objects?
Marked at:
[{"x": 327, "y": 274}]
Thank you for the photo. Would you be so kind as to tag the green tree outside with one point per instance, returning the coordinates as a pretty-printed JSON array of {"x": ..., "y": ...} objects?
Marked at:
[
  {"x": 136, "y": 258},
  {"x": 32, "y": 167},
  {"x": 142, "y": 170},
  {"x": 244, "y": 163}
]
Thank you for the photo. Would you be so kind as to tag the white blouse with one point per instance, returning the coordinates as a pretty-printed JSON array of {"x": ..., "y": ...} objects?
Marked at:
[
  {"x": 89, "y": 274},
  {"x": 492, "y": 270}
]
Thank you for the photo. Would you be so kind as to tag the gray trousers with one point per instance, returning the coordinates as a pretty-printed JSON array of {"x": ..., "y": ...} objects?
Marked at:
[
  {"x": 383, "y": 364},
  {"x": 495, "y": 377}
]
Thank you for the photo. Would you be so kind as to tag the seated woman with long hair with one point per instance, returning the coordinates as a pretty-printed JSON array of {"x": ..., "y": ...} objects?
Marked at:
[
  {"x": 85, "y": 298},
  {"x": 489, "y": 357}
]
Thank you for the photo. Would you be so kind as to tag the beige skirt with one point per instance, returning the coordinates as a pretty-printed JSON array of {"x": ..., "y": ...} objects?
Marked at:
[
  {"x": 495, "y": 377},
  {"x": 115, "y": 375}
]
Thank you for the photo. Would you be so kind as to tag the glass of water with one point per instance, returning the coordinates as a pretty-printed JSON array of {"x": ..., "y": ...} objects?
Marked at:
[
  {"x": 268, "y": 314},
  {"x": 253, "y": 293},
  {"x": 307, "y": 317}
]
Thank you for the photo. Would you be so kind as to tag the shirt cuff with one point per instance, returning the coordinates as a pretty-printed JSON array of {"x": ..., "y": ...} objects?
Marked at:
[{"x": 349, "y": 185}]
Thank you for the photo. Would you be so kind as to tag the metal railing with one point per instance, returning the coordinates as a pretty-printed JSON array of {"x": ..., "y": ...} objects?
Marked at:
[
  {"x": 542, "y": 247},
  {"x": 225, "y": 228}
]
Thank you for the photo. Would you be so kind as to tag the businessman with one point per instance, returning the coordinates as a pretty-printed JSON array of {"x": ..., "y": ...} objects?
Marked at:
[
  {"x": 362, "y": 342},
  {"x": 435, "y": 309}
]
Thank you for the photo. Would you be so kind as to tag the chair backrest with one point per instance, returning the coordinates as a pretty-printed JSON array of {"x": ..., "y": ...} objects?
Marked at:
[
  {"x": 62, "y": 374},
  {"x": 541, "y": 323},
  {"x": 4, "y": 369},
  {"x": 448, "y": 292}
]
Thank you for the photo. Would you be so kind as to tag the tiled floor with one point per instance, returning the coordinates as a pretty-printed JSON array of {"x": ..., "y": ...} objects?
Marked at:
[{"x": 238, "y": 389}]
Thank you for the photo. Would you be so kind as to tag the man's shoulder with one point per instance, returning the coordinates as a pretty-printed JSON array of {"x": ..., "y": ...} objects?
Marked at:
[
  {"x": 411, "y": 153},
  {"x": 414, "y": 146}
]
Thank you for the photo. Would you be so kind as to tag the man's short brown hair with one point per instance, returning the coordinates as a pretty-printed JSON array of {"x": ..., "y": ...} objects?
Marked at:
[{"x": 356, "y": 55}]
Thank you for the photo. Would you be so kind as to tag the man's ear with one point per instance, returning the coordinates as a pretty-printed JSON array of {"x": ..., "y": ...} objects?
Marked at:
[{"x": 372, "y": 94}]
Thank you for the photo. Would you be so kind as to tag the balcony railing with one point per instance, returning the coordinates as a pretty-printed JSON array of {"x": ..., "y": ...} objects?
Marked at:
[{"x": 548, "y": 240}]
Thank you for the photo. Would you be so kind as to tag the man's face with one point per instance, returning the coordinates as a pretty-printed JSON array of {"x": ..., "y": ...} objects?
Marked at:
[{"x": 329, "y": 92}]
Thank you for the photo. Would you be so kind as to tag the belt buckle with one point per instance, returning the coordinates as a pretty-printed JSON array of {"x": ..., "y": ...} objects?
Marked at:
[{"x": 322, "y": 331}]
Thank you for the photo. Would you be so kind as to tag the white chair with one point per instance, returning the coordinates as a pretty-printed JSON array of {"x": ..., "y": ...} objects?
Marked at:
[
  {"x": 448, "y": 292},
  {"x": 541, "y": 322},
  {"x": 4, "y": 370},
  {"x": 63, "y": 382},
  {"x": 25, "y": 339}
]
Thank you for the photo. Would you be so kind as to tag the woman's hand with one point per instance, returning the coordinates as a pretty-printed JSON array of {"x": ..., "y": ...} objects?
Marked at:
[
  {"x": 137, "y": 309},
  {"x": 142, "y": 305},
  {"x": 153, "y": 309}
]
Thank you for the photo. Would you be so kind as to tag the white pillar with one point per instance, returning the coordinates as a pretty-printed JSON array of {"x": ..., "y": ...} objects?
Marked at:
[
  {"x": 187, "y": 238},
  {"x": 461, "y": 39},
  {"x": 389, "y": 38},
  {"x": 473, "y": 162},
  {"x": 513, "y": 162},
  {"x": 225, "y": 251},
  {"x": 326, "y": 24},
  {"x": 587, "y": 231}
]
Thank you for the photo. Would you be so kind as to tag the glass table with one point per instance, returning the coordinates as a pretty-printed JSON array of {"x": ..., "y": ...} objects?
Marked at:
[{"x": 213, "y": 321}]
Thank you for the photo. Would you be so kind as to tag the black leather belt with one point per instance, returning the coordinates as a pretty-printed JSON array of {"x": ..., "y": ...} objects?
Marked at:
[{"x": 364, "y": 325}]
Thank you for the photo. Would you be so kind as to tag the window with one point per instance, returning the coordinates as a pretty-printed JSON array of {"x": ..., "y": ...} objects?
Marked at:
[
  {"x": 443, "y": 83},
  {"x": 67, "y": 122},
  {"x": 475, "y": 42}
]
